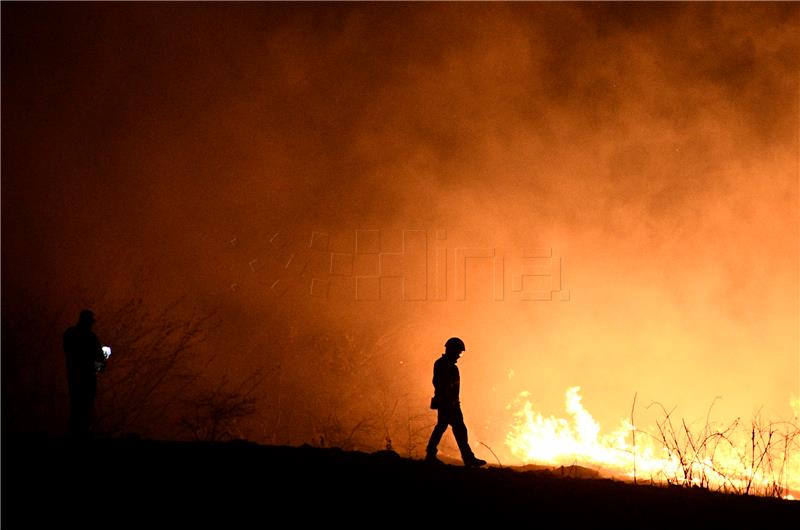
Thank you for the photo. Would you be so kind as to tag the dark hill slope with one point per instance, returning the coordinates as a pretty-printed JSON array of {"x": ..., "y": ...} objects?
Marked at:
[{"x": 108, "y": 483}]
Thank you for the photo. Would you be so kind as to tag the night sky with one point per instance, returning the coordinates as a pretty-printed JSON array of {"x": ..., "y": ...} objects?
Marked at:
[{"x": 183, "y": 154}]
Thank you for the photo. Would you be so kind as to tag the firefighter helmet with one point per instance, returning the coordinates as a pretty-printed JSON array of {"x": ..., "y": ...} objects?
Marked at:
[{"x": 455, "y": 344}]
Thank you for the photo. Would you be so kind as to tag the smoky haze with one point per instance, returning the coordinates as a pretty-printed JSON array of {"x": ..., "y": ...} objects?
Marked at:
[{"x": 189, "y": 151}]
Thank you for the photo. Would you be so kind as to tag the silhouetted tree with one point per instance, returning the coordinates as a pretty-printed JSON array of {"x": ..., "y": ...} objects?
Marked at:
[
  {"x": 215, "y": 410},
  {"x": 155, "y": 362},
  {"x": 152, "y": 366}
]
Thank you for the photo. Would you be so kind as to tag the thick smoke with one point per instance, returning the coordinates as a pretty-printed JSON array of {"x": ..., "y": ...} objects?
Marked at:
[{"x": 654, "y": 148}]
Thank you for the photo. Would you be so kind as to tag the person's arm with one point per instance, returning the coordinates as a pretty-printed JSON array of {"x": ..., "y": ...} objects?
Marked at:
[
  {"x": 98, "y": 351},
  {"x": 448, "y": 384},
  {"x": 438, "y": 382},
  {"x": 97, "y": 354}
]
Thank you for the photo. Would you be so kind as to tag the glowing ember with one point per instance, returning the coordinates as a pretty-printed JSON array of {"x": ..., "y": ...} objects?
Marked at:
[{"x": 760, "y": 458}]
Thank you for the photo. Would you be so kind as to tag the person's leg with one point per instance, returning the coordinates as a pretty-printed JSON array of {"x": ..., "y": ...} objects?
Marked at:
[
  {"x": 91, "y": 394},
  {"x": 462, "y": 439},
  {"x": 79, "y": 415},
  {"x": 442, "y": 421},
  {"x": 81, "y": 402},
  {"x": 460, "y": 432},
  {"x": 74, "y": 413}
]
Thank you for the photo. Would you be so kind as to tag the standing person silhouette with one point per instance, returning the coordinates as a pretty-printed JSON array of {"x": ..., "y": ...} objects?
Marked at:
[
  {"x": 446, "y": 384},
  {"x": 84, "y": 357}
]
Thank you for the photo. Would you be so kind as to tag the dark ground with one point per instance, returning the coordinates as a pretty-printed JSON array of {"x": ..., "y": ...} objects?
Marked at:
[{"x": 108, "y": 483}]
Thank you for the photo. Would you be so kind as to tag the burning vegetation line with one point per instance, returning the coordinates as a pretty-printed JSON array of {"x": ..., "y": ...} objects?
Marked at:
[{"x": 760, "y": 458}]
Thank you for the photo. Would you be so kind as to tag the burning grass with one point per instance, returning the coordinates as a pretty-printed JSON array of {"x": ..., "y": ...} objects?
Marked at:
[{"x": 758, "y": 458}]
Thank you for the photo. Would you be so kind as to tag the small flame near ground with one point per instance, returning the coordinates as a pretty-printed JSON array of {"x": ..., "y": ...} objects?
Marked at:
[{"x": 761, "y": 458}]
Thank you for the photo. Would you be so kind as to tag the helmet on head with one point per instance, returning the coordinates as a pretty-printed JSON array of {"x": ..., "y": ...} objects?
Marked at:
[
  {"x": 86, "y": 318},
  {"x": 454, "y": 344}
]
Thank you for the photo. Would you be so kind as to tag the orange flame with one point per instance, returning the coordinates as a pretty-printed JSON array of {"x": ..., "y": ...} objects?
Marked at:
[{"x": 762, "y": 459}]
